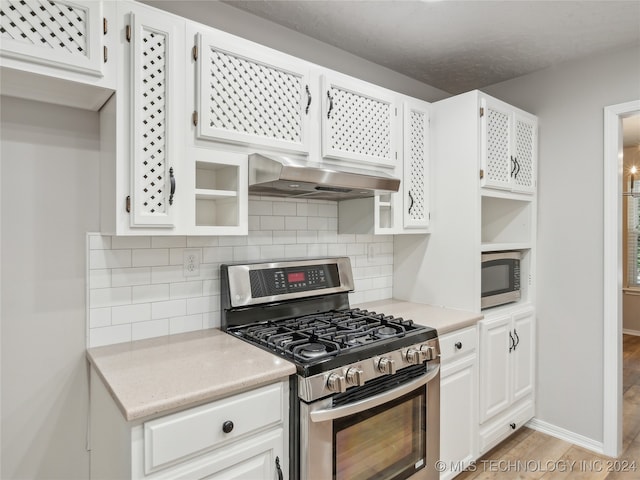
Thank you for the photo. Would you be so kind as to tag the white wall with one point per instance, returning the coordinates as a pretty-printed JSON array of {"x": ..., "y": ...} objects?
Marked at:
[
  {"x": 49, "y": 200},
  {"x": 569, "y": 101},
  {"x": 256, "y": 29}
]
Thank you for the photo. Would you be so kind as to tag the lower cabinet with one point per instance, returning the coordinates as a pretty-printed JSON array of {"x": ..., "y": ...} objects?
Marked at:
[
  {"x": 238, "y": 437},
  {"x": 458, "y": 401},
  {"x": 507, "y": 346}
]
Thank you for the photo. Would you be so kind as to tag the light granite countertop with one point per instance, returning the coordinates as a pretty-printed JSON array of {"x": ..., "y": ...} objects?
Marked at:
[
  {"x": 444, "y": 320},
  {"x": 159, "y": 375}
]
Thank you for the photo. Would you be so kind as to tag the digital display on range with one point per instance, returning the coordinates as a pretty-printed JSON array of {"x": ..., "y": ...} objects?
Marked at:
[{"x": 294, "y": 277}]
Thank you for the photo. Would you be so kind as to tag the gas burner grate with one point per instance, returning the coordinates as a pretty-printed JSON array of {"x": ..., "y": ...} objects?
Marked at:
[{"x": 313, "y": 338}]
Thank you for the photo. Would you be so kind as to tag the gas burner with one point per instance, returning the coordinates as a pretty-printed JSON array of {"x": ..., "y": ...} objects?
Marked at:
[
  {"x": 386, "y": 332},
  {"x": 312, "y": 350}
]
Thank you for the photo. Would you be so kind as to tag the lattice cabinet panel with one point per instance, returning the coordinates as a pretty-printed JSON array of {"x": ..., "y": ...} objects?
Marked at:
[
  {"x": 359, "y": 122},
  {"x": 416, "y": 165},
  {"x": 154, "y": 97},
  {"x": 59, "y": 33},
  {"x": 524, "y": 154},
  {"x": 508, "y": 147},
  {"x": 251, "y": 96},
  {"x": 497, "y": 152}
]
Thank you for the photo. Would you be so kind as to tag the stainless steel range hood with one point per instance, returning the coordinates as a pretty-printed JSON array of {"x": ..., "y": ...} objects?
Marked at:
[{"x": 286, "y": 177}]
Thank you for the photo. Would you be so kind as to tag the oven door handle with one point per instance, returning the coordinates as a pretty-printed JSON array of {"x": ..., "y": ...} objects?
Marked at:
[{"x": 359, "y": 406}]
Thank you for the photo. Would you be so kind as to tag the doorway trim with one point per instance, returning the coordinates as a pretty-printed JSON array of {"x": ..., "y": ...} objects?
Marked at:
[{"x": 612, "y": 315}]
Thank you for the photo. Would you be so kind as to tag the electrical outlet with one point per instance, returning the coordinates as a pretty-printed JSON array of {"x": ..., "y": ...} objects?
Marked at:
[{"x": 191, "y": 259}]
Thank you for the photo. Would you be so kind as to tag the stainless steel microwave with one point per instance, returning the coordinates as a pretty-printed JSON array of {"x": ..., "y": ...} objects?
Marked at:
[{"x": 500, "y": 278}]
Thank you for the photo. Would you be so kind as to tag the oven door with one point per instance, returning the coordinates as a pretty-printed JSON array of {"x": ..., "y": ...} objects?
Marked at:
[{"x": 386, "y": 436}]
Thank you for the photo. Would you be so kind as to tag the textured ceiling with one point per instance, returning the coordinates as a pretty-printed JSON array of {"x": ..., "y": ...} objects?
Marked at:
[{"x": 458, "y": 46}]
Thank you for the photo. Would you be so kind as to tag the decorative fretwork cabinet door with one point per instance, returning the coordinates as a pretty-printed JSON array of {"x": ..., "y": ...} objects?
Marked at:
[
  {"x": 63, "y": 34},
  {"x": 524, "y": 153},
  {"x": 155, "y": 89},
  {"x": 497, "y": 164},
  {"x": 416, "y": 165},
  {"x": 252, "y": 95},
  {"x": 359, "y": 122}
]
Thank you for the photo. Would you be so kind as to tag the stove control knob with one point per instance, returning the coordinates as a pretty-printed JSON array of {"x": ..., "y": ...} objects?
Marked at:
[
  {"x": 336, "y": 383},
  {"x": 355, "y": 376},
  {"x": 416, "y": 357},
  {"x": 429, "y": 352},
  {"x": 387, "y": 365}
]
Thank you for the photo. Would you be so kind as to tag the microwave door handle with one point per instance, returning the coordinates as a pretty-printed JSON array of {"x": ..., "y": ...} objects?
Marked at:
[{"x": 362, "y": 405}]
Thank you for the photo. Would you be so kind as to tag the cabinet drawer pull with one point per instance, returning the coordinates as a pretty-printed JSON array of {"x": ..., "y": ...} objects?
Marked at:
[
  {"x": 513, "y": 426},
  {"x": 278, "y": 469},
  {"x": 458, "y": 345},
  {"x": 306, "y": 110},
  {"x": 227, "y": 426},
  {"x": 172, "y": 179},
  {"x": 330, "y": 104}
]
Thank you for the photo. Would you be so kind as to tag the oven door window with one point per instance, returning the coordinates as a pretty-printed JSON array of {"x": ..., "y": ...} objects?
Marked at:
[{"x": 384, "y": 443}]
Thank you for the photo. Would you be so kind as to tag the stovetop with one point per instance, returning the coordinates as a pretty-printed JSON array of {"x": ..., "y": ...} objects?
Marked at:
[{"x": 325, "y": 340}]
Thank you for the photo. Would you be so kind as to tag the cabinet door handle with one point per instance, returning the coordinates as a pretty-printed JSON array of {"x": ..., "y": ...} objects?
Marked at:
[
  {"x": 278, "y": 469},
  {"x": 172, "y": 179},
  {"x": 512, "y": 343},
  {"x": 515, "y": 159},
  {"x": 513, "y": 165},
  {"x": 410, "y": 202},
  {"x": 517, "y": 339},
  {"x": 458, "y": 345},
  {"x": 306, "y": 110},
  {"x": 513, "y": 426},
  {"x": 330, "y": 104}
]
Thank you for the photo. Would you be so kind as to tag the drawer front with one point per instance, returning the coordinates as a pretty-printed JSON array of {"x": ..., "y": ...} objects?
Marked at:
[
  {"x": 493, "y": 432},
  {"x": 456, "y": 344},
  {"x": 175, "y": 437}
]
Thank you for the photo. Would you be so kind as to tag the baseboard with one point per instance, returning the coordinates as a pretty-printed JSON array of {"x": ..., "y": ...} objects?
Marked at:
[
  {"x": 566, "y": 435},
  {"x": 631, "y": 332}
]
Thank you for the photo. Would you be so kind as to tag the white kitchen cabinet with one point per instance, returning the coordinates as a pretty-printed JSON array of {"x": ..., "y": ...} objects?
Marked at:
[
  {"x": 142, "y": 135},
  {"x": 415, "y": 186},
  {"x": 58, "y": 51},
  {"x": 508, "y": 147},
  {"x": 458, "y": 400},
  {"x": 250, "y": 94},
  {"x": 507, "y": 345},
  {"x": 237, "y": 437},
  {"x": 359, "y": 121}
]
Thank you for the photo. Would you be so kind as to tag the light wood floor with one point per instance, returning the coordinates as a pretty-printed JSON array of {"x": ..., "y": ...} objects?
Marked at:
[{"x": 529, "y": 454}]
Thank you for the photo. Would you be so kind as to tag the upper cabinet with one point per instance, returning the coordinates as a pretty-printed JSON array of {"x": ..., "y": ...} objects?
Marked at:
[
  {"x": 359, "y": 121},
  {"x": 250, "y": 94},
  {"x": 508, "y": 142},
  {"x": 60, "y": 42},
  {"x": 416, "y": 190}
]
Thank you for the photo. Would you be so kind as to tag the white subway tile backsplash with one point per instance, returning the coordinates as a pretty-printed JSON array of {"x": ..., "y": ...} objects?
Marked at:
[
  {"x": 137, "y": 287},
  {"x": 150, "y": 293},
  {"x": 168, "y": 242},
  {"x": 151, "y": 257},
  {"x": 150, "y": 329},
  {"x": 109, "y": 258},
  {"x": 118, "y": 243},
  {"x": 169, "y": 308},
  {"x": 127, "y": 277},
  {"x": 185, "y": 289},
  {"x": 109, "y": 297},
  {"x": 99, "y": 317},
  {"x": 100, "y": 278},
  {"x": 185, "y": 324},
  {"x": 131, "y": 313}
]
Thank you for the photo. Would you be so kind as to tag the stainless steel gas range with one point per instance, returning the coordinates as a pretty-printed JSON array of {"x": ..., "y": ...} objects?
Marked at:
[{"x": 365, "y": 402}]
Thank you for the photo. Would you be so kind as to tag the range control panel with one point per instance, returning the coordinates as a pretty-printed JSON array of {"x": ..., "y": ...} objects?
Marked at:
[{"x": 277, "y": 281}]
